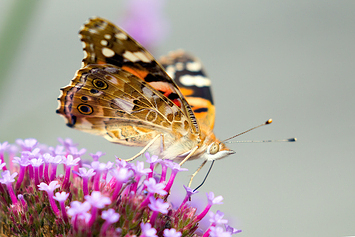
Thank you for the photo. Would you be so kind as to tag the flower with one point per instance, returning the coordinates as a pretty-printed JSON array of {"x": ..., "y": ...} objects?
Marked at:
[
  {"x": 171, "y": 233},
  {"x": 147, "y": 230},
  {"x": 104, "y": 199},
  {"x": 145, "y": 22}
]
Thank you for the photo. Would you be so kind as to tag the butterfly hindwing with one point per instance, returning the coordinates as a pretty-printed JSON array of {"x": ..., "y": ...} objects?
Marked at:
[{"x": 188, "y": 74}]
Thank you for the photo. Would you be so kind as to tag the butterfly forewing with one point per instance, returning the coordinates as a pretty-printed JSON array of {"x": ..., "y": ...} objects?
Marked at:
[{"x": 104, "y": 43}]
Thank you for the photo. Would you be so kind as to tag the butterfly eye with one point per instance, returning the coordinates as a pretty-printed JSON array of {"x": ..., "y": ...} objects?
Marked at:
[
  {"x": 213, "y": 148},
  {"x": 85, "y": 109},
  {"x": 99, "y": 84}
]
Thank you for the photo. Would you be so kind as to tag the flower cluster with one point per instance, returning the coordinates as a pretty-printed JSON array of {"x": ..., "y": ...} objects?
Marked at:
[{"x": 94, "y": 199}]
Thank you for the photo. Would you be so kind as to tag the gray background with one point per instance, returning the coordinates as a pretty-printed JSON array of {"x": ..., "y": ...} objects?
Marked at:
[{"x": 292, "y": 61}]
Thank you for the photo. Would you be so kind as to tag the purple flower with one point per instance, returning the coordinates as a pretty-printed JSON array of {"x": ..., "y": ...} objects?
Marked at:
[
  {"x": 96, "y": 156},
  {"x": 120, "y": 176},
  {"x": 85, "y": 175},
  {"x": 110, "y": 216},
  {"x": 77, "y": 208},
  {"x": 147, "y": 230},
  {"x": 61, "y": 198},
  {"x": 139, "y": 171},
  {"x": 75, "y": 152},
  {"x": 32, "y": 154},
  {"x": 67, "y": 143},
  {"x": 69, "y": 162},
  {"x": 211, "y": 201},
  {"x": 171, "y": 233},
  {"x": 2, "y": 165},
  {"x": 96, "y": 199},
  {"x": 27, "y": 144},
  {"x": 157, "y": 206},
  {"x": 8, "y": 179},
  {"x": 127, "y": 189},
  {"x": 49, "y": 189},
  {"x": 231, "y": 230},
  {"x": 152, "y": 159},
  {"x": 189, "y": 193},
  {"x": 23, "y": 202},
  {"x": 214, "y": 200},
  {"x": 99, "y": 169},
  {"x": 175, "y": 168},
  {"x": 121, "y": 163},
  {"x": 145, "y": 22},
  {"x": 154, "y": 187},
  {"x": 218, "y": 232},
  {"x": 23, "y": 162},
  {"x": 217, "y": 218},
  {"x": 55, "y": 161},
  {"x": 36, "y": 163},
  {"x": 3, "y": 147},
  {"x": 57, "y": 151}
]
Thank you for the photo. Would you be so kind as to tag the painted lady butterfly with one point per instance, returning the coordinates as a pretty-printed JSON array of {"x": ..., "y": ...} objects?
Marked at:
[{"x": 123, "y": 94}]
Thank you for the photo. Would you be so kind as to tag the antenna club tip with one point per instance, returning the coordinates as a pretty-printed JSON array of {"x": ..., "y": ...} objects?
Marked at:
[
  {"x": 292, "y": 139},
  {"x": 269, "y": 121}
]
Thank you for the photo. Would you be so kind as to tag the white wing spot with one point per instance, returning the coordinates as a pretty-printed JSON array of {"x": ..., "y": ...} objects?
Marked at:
[
  {"x": 198, "y": 81},
  {"x": 179, "y": 66},
  {"x": 171, "y": 71},
  {"x": 92, "y": 31},
  {"x": 85, "y": 54},
  {"x": 83, "y": 44},
  {"x": 147, "y": 92},
  {"x": 143, "y": 57},
  {"x": 104, "y": 42},
  {"x": 108, "y": 52},
  {"x": 111, "y": 79},
  {"x": 121, "y": 36},
  {"x": 137, "y": 56},
  {"x": 130, "y": 56},
  {"x": 107, "y": 36},
  {"x": 124, "y": 104},
  {"x": 194, "y": 66}
]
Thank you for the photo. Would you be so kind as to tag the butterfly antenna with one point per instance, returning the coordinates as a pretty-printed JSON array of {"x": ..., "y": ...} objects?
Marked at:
[
  {"x": 293, "y": 139},
  {"x": 263, "y": 124}
]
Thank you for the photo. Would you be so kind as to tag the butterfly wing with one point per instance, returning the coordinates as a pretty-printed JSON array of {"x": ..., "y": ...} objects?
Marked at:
[
  {"x": 123, "y": 94},
  {"x": 188, "y": 74},
  {"x": 104, "y": 43}
]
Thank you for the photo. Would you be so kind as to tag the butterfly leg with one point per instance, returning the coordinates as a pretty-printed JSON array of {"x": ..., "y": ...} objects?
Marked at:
[
  {"x": 145, "y": 148},
  {"x": 189, "y": 155},
  {"x": 194, "y": 174}
]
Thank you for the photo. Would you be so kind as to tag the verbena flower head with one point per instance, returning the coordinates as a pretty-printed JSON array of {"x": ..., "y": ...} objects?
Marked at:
[{"x": 112, "y": 199}]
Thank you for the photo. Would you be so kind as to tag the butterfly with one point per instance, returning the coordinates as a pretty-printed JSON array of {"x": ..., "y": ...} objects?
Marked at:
[{"x": 123, "y": 94}]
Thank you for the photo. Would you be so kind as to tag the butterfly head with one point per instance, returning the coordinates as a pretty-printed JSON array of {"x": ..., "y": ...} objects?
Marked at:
[{"x": 217, "y": 150}]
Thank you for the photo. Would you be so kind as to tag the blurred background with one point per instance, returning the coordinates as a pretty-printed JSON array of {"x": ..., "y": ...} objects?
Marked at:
[{"x": 292, "y": 61}]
